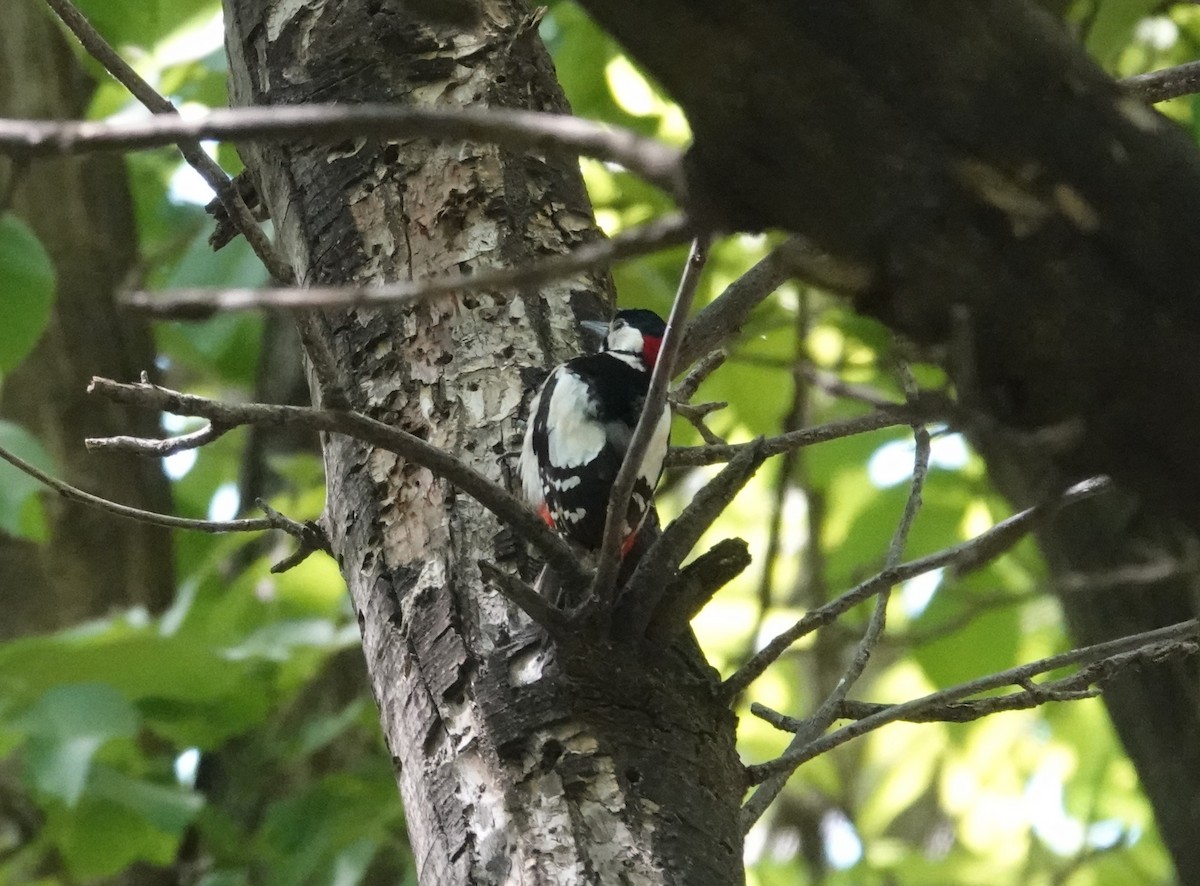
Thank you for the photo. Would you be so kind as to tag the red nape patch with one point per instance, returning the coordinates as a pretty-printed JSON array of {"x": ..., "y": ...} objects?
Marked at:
[
  {"x": 651, "y": 345},
  {"x": 544, "y": 512}
]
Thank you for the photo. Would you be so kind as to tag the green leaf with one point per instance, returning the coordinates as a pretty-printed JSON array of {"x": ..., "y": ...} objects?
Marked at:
[
  {"x": 17, "y": 489},
  {"x": 169, "y": 809},
  {"x": 26, "y": 290},
  {"x": 100, "y": 837},
  {"x": 185, "y": 690},
  {"x": 66, "y": 727}
]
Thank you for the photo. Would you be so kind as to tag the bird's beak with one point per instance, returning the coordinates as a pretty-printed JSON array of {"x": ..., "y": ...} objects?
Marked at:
[{"x": 596, "y": 327}]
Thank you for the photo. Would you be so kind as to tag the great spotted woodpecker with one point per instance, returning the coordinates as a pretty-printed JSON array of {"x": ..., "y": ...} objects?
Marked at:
[{"x": 579, "y": 428}]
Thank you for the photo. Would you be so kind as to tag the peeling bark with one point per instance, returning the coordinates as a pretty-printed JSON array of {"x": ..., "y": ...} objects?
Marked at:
[{"x": 518, "y": 763}]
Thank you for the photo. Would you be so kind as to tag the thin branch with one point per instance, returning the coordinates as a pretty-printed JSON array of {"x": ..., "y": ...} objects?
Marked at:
[
  {"x": 694, "y": 456},
  {"x": 967, "y": 555},
  {"x": 551, "y": 619},
  {"x": 71, "y": 493},
  {"x": 197, "y": 304},
  {"x": 951, "y": 712},
  {"x": 158, "y": 448},
  {"x": 723, "y": 317},
  {"x": 521, "y": 130},
  {"x": 827, "y": 713},
  {"x": 835, "y": 386},
  {"x": 358, "y": 426},
  {"x": 705, "y": 366},
  {"x": 99, "y": 49},
  {"x": 603, "y": 589},
  {"x": 695, "y": 415},
  {"x": 1106, "y": 658},
  {"x": 1159, "y": 86}
]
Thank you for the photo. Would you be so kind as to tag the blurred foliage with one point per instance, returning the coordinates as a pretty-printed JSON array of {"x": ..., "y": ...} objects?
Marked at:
[{"x": 112, "y": 731}]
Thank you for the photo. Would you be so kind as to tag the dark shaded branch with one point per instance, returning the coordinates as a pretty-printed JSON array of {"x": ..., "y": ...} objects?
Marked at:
[
  {"x": 695, "y": 586},
  {"x": 652, "y": 576},
  {"x": 353, "y": 424},
  {"x": 723, "y": 317},
  {"x": 190, "y": 148},
  {"x": 1159, "y": 86},
  {"x": 705, "y": 366},
  {"x": 1108, "y": 658},
  {"x": 551, "y": 619},
  {"x": 520, "y": 130},
  {"x": 197, "y": 304}
]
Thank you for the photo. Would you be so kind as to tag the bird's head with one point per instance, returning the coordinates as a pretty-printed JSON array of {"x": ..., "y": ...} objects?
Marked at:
[{"x": 636, "y": 333}]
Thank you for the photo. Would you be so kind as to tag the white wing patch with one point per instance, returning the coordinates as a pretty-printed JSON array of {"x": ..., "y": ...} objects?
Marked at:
[{"x": 575, "y": 438}]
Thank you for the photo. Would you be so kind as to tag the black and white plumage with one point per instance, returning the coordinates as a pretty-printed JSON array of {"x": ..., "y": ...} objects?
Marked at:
[{"x": 579, "y": 428}]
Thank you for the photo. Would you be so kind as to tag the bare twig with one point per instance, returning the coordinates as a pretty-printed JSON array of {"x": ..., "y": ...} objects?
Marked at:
[
  {"x": 67, "y": 491},
  {"x": 551, "y": 619},
  {"x": 835, "y": 386},
  {"x": 1106, "y": 658},
  {"x": 356, "y": 425},
  {"x": 705, "y": 366},
  {"x": 603, "y": 589},
  {"x": 695, "y": 415},
  {"x": 967, "y": 555},
  {"x": 1158, "y": 86},
  {"x": 694, "y": 456},
  {"x": 192, "y": 304},
  {"x": 522, "y": 130},
  {"x": 158, "y": 448},
  {"x": 193, "y": 153}
]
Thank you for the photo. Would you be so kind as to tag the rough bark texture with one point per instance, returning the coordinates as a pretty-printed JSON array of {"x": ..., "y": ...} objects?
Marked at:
[
  {"x": 1004, "y": 204},
  {"x": 517, "y": 763},
  {"x": 81, "y": 211}
]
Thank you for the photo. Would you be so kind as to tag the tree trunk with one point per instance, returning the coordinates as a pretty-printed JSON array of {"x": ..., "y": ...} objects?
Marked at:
[
  {"x": 518, "y": 762},
  {"x": 81, "y": 210},
  {"x": 987, "y": 191}
]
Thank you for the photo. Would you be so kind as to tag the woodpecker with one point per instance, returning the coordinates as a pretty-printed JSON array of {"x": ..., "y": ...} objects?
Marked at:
[{"x": 579, "y": 428}]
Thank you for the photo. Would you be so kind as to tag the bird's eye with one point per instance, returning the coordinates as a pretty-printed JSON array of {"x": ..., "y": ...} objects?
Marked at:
[{"x": 618, "y": 324}]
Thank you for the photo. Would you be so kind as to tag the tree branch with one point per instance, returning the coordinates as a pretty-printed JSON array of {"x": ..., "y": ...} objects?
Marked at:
[
  {"x": 695, "y": 586},
  {"x": 694, "y": 456},
  {"x": 72, "y": 493},
  {"x": 650, "y": 580},
  {"x": 521, "y": 130},
  {"x": 197, "y": 304},
  {"x": 826, "y": 714},
  {"x": 358, "y": 426},
  {"x": 99, "y": 49},
  {"x": 159, "y": 448},
  {"x": 1159, "y": 86},
  {"x": 962, "y": 557},
  {"x": 603, "y": 590},
  {"x": 547, "y": 616},
  {"x": 1105, "y": 658}
]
